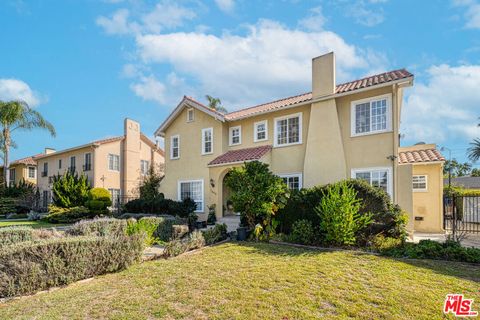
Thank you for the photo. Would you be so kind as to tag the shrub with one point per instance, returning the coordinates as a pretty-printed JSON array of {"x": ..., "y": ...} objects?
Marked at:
[
  {"x": 257, "y": 194},
  {"x": 428, "y": 249},
  {"x": 302, "y": 232},
  {"x": 161, "y": 206},
  {"x": 67, "y": 215},
  {"x": 150, "y": 185},
  {"x": 98, "y": 201},
  {"x": 165, "y": 229},
  {"x": 388, "y": 218},
  {"x": 31, "y": 266},
  {"x": 147, "y": 226},
  {"x": 212, "y": 216},
  {"x": 70, "y": 190},
  {"x": 178, "y": 246},
  {"x": 215, "y": 234},
  {"x": 99, "y": 227},
  {"x": 15, "y": 234},
  {"x": 340, "y": 219},
  {"x": 7, "y": 205},
  {"x": 381, "y": 243},
  {"x": 34, "y": 216}
]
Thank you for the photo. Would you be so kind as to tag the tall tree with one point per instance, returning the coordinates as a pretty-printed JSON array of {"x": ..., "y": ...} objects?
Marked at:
[
  {"x": 215, "y": 104},
  {"x": 474, "y": 151},
  {"x": 18, "y": 115}
]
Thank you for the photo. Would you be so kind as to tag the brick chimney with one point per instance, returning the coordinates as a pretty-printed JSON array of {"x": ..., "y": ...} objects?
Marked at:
[{"x": 323, "y": 75}]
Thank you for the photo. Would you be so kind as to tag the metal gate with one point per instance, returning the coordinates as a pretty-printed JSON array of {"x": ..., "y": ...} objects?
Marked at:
[{"x": 461, "y": 213}]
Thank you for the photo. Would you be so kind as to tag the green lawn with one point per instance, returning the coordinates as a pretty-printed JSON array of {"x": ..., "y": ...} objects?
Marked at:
[
  {"x": 260, "y": 281},
  {"x": 33, "y": 224}
]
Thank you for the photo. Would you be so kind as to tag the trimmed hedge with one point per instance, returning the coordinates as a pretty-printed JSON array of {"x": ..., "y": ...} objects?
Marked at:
[
  {"x": 388, "y": 218},
  {"x": 15, "y": 234},
  {"x": 98, "y": 201},
  {"x": 67, "y": 215},
  {"x": 99, "y": 227},
  {"x": 32, "y": 266}
]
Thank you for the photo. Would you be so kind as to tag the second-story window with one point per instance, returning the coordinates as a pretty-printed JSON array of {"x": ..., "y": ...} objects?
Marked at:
[
  {"x": 288, "y": 130},
  {"x": 59, "y": 163},
  {"x": 144, "y": 166},
  {"x": 114, "y": 162},
  {"x": 31, "y": 172},
  {"x": 175, "y": 147},
  {"x": 73, "y": 161},
  {"x": 260, "y": 131},
  {"x": 12, "y": 176},
  {"x": 207, "y": 141},
  {"x": 45, "y": 169},
  {"x": 88, "y": 162},
  {"x": 371, "y": 115},
  {"x": 235, "y": 135}
]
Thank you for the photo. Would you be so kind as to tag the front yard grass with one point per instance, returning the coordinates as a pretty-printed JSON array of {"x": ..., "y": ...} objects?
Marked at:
[
  {"x": 260, "y": 281},
  {"x": 33, "y": 224}
]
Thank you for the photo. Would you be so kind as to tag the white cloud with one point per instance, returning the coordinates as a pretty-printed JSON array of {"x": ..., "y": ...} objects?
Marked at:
[
  {"x": 149, "y": 88},
  {"x": 315, "y": 21},
  {"x": 13, "y": 89},
  {"x": 365, "y": 14},
  {"x": 445, "y": 107},
  {"x": 270, "y": 60},
  {"x": 472, "y": 13},
  {"x": 165, "y": 15},
  {"x": 226, "y": 5},
  {"x": 118, "y": 23}
]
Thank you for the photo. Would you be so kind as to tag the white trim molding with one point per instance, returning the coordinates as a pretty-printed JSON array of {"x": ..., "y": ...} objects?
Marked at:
[
  {"x": 203, "y": 140},
  {"x": 255, "y": 130},
  {"x": 179, "y": 198},
  {"x": 417, "y": 176},
  {"x": 230, "y": 136},
  {"x": 294, "y": 175},
  {"x": 389, "y": 115},
  {"x": 275, "y": 129},
  {"x": 177, "y": 136},
  {"x": 354, "y": 171}
]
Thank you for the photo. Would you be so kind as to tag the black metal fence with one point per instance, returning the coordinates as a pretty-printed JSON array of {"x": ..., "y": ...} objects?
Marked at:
[
  {"x": 461, "y": 213},
  {"x": 118, "y": 203}
]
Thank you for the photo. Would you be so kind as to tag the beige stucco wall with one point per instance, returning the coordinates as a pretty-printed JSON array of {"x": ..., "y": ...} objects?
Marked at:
[
  {"x": 429, "y": 204},
  {"x": 21, "y": 173},
  {"x": 404, "y": 192}
]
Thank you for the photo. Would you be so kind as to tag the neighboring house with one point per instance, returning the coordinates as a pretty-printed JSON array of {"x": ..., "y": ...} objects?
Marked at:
[
  {"x": 117, "y": 164},
  {"x": 427, "y": 184},
  {"x": 464, "y": 182},
  {"x": 335, "y": 132},
  {"x": 22, "y": 169}
]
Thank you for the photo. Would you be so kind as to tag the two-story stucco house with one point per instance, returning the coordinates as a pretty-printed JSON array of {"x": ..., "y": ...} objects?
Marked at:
[
  {"x": 24, "y": 169},
  {"x": 117, "y": 164},
  {"x": 334, "y": 132}
]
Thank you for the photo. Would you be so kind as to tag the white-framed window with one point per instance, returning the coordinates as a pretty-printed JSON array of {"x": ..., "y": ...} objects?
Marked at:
[
  {"x": 260, "y": 131},
  {"x": 207, "y": 141},
  {"x": 115, "y": 194},
  {"x": 372, "y": 115},
  {"x": 293, "y": 180},
  {"x": 144, "y": 166},
  {"x": 190, "y": 115},
  {"x": 288, "y": 130},
  {"x": 380, "y": 177},
  {"x": 114, "y": 162},
  {"x": 192, "y": 189},
  {"x": 419, "y": 182},
  {"x": 32, "y": 172},
  {"x": 175, "y": 147},
  {"x": 235, "y": 135}
]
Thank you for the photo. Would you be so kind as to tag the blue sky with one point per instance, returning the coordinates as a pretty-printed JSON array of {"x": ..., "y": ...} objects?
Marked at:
[{"x": 86, "y": 65}]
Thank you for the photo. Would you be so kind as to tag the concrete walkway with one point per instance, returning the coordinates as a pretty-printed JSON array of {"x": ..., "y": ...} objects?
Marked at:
[
  {"x": 232, "y": 222},
  {"x": 471, "y": 240}
]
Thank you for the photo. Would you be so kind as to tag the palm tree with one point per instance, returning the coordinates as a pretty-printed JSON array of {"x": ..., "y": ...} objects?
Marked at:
[
  {"x": 474, "y": 150},
  {"x": 215, "y": 104},
  {"x": 17, "y": 115}
]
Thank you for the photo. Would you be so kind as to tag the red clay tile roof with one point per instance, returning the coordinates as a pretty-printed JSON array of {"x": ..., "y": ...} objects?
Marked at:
[
  {"x": 108, "y": 140},
  {"x": 29, "y": 161},
  {"x": 419, "y": 156},
  {"x": 241, "y": 155},
  {"x": 341, "y": 88}
]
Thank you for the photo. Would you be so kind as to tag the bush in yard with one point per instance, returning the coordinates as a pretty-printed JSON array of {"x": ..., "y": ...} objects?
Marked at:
[
  {"x": 67, "y": 215},
  {"x": 176, "y": 247},
  {"x": 303, "y": 232},
  {"x": 28, "y": 267},
  {"x": 161, "y": 206},
  {"x": 340, "y": 218},
  {"x": 388, "y": 218},
  {"x": 428, "y": 249},
  {"x": 215, "y": 234},
  {"x": 147, "y": 226},
  {"x": 165, "y": 229},
  {"x": 150, "y": 185},
  {"x": 15, "y": 234},
  {"x": 7, "y": 205},
  {"x": 98, "y": 201},
  {"x": 99, "y": 227},
  {"x": 257, "y": 194},
  {"x": 70, "y": 190}
]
